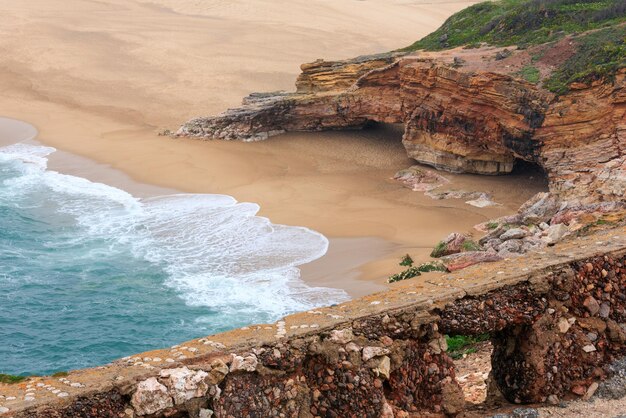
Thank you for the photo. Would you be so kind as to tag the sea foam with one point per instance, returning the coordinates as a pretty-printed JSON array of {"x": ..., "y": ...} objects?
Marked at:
[{"x": 134, "y": 273}]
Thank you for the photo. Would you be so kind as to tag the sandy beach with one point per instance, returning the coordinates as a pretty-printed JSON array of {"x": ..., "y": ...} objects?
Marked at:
[{"x": 99, "y": 79}]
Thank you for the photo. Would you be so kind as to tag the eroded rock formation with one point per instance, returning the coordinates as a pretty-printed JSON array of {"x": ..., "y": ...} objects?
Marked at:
[{"x": 463, "y": 111}]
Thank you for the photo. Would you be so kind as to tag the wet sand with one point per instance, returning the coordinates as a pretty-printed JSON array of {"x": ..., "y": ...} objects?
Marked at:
[
  {"x": 99, "y": 79},
  {"x": 12, "y": 131}
]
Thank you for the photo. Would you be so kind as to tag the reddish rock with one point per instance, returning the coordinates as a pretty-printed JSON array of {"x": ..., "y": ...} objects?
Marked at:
[
  {"x": 453, "y": 244},
  {"x": 477, "y": 118},
  {"x": 462, "y": 260},
  {"x": 592, "y": 305}
]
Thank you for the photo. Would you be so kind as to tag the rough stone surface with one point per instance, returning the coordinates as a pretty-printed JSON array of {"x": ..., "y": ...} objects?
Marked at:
[
  {"x": 452, "y": 244},
  {"x": 185, "y": 384},
  {"x": 463, "y": 260},
  {"x": 394, "y": 358},
  {"x": 510, "y": 246},
  {"x": 205, "y": 413},
  {"x": 592, "y": 305},
  {"x": 371, "y": 352},
  {"x": 342, "y": 336},
  {"x": 555, "y": 233},
  {"x": 615, "y": 386},
  {"x": 383, "y": 367},
  {"x": 151, "y": 397},
  {"x": 246, "y": 363},
  {"x": 419, "y": 179},
  {"x": 514, "y": 233},
  {"x": 525, "y": 413}
]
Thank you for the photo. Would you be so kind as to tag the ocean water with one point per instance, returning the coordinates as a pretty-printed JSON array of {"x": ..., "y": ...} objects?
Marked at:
[{"x": 89, "y": 273}]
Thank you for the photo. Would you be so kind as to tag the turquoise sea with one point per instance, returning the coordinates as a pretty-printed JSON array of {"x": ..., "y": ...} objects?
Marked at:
[{"x": 89, "y": 273}]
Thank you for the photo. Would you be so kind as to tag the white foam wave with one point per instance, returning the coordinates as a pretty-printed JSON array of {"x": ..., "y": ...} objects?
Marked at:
[{"x": 217, "y": 252}]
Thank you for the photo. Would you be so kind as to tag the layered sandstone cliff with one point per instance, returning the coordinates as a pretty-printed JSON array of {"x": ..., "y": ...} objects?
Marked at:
[{"x": 463, "y": 111}]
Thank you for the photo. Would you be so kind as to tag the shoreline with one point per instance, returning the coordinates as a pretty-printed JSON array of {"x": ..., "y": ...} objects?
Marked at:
[
  {"x": 339, "y": 260},
  {"x": 101, "y": 89},
  {"x": 356, "y": 263},
  {"x": 409, "y": 222},
  {"x": 345, "y": 256}
]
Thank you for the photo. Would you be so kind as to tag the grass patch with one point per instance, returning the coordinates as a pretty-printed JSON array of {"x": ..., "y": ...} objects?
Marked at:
[
  {"x": 11, "y": 379},
  {"x": 458, "y": 345},
  {"x": 600, "y": 53},
  {"x": 590, "y": 226},
  {"x": 521, "y": 22},
  {"x": 60, "y": 374},
  {"x": 530, "y": 74},
  {"x": 416, "y": 271},
  {"x": 492, "y": 225},
  {"x": 439, "y": 250},
  {"x": 598, "y": 57},
  {"x": 469, "y": 245}
]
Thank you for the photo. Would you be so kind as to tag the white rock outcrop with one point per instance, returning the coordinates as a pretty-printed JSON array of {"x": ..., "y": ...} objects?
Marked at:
[
  {"x": 185, "y": 384},
  {"x": 151, "y": 397}
]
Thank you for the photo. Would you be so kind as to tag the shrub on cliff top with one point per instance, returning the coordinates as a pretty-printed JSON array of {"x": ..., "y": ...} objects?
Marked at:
[
  {"x": 522, "y": 22},
  {"x": 60, "y": 374},
  {"x": 439, "y": 250},
  {"x": 492, "y": 225},
  {"x": 405, "y": 275},
  {"x": 442, "y": 248},
  {"x": 416, "y": 271}
]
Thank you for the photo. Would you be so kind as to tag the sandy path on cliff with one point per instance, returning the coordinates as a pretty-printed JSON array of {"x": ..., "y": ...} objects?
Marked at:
[{"x": 99, "y": 78}]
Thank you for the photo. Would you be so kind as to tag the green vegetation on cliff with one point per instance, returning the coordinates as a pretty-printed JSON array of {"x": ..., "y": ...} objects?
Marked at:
[
  {"x": 598, "y": 30},
  {"x": 458, "y": 345},
  {"x": 522, "y": 22},
  {"x": 530, "y": 73},
  {"x": 598, "y": 56},
  {"x": 11, "y": 379}
]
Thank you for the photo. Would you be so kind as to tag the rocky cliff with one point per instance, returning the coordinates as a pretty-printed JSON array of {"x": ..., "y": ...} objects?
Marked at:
[{"x": 464, "y": 110}]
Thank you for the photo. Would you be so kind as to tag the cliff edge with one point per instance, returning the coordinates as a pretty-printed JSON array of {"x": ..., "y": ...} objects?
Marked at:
[{"x": 476, "y": 103}]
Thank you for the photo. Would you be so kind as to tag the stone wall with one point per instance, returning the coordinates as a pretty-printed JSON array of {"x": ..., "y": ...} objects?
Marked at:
[{"x": 556, "y": 321}]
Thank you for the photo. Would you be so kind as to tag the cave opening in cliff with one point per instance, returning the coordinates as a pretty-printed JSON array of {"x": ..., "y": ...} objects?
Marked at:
[
  {"x": 390, "y": 136},
  {"x": 533, "y": 172}
]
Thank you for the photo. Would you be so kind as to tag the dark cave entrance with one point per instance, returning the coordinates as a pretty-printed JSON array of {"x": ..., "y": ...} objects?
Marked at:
[
  {"x": 529, "y": 168},
  {"x": 530, "y": 173},
  {"x": 525, "y": 173}
]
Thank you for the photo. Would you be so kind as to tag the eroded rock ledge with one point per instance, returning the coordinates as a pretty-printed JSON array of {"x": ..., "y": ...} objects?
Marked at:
[
  {"x": 463, "y": 110},
  {"x": 557, "y": 321}
]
